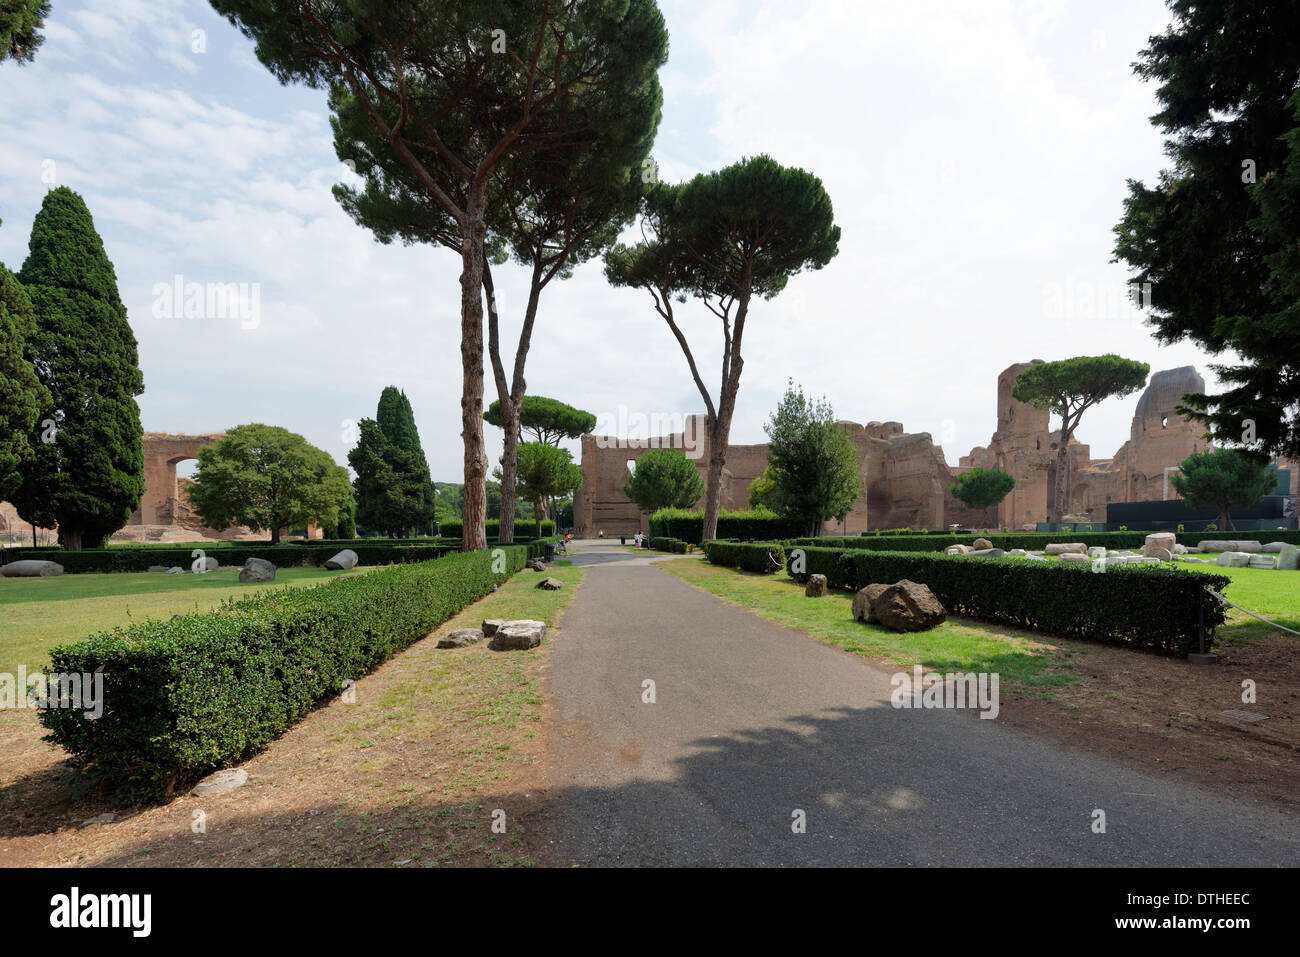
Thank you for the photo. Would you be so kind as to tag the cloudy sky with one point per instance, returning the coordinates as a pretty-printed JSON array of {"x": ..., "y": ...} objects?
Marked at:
[{"x": 976, "y": 155}]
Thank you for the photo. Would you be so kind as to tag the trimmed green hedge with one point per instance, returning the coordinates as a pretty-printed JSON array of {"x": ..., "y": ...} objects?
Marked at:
[
  {"x": 689, "y": 525},
  {"x": 1141, "y": 607},
  {"x": 523, "y": 529},
  {"x": 282, "y": 556},
  {"x": 765, "y": 558},
  {"x": 665, "y": 544},
  {"x": 187, "y": 696}
]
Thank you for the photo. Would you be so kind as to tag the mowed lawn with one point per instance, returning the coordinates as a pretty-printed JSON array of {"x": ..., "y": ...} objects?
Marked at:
[
  {"x": 38, "y": 613},
  {"x": 1026, "y": 660}
]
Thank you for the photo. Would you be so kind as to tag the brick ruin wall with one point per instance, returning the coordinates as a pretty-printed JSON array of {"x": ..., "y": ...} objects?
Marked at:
[{"x": 908, "y": 480}]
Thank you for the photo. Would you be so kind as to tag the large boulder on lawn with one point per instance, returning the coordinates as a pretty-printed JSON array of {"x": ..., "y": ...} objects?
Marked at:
[
  {"x": 1155, "y": 551},
  {"x": 1275, "y": 548},
  {"x": 1165, "y": 540},
  {"x": 1066, "y": 548},
  {"x": 863, "y": 600},
  {"x": 461, "y": 638},
  {"x": 536, "y": 565},
  {"x": 980, "y": 545},
  {"x": 957, "y": 550},
  {"x": 1074, "y": 557},
  {"x": 987, "y": 553},
  {"x": 1214, "y": 545},
  {"x": 1253, "y": 548},
  {"x": 550, "y": 584},
  {"x": 31, "y": 568},
  {"x": 344, "y": 561},
  {"x": 1289, "y": 559},
  {"x": 257, "y": 570},
  {"x": 518, "y": 635},
  {"x": 490, "y": 626},
  {"x": 907, "y": 606},
  {"x": 1263, "y": 561},
  {"x": 816, "y": 587}
]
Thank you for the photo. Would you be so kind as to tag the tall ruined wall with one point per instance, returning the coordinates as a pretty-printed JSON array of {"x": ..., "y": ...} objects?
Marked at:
[{"x": 908, "y": 481}]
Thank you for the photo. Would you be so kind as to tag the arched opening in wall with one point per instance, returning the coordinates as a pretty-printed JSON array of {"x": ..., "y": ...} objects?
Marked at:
[
  {"x": 1081, "y": 500},
  {"x": 182, "y": 469},
  {"x": 1164, "y": 421}
]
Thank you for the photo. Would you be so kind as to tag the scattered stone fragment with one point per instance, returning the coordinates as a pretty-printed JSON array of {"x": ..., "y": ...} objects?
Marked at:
[
  {"x": 345, "y": 560},
  {"x": 176, "y": 570},
  {"x": 550, "y": 584},
  {"x": 518, "y": 635},
  {"x": 957, "y": 550},
  {"x": 816, "y": 587},
  {"x": 31, "y": 568},
  {"x": 1289, "y": 558},
  {"x": 981, "y": 544},
  {"x": 99, "y": 819},
  {"x": 490, "y": 626},
  {"x": 257, "y": 570},
  {"x": 1233, "y": 559},
  {"x": 461, "y": 638},
  {"x": 226, "y": 780},
  {"x": 1067, "y": 548},
  {"x": 907, "y": 606},
  {"x": 536, "y": 564},
  {"x": 1070, "y": 558},
  {"x": 863, "y": 600}
]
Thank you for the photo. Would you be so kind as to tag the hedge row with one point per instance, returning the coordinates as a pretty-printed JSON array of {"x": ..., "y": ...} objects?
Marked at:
[
  {"x": 186, "y": 696},
  {"x": 1142, "y": 607},
  {"x": 1031, "y": 541},
  {"x": 689, "y": 525},
  {"x": 523, "y": 529},
  {"x": 762, "y": 557},
  {"x": 665, "y": 544},
  {"x": 282, "y": 556}
]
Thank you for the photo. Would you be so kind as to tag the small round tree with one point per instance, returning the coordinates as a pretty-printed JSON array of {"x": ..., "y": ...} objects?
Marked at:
[
  {"x": 982, "y": 488},
  {"x": 545, "y": 472},
  {"x": 266, "y": 477},
  {"x": 664, "y": 478},
  {"x": 1223, "y": 478}
]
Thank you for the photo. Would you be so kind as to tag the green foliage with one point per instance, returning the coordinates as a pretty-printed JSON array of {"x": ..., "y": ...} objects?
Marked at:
[
  {"x": 22, "y": 394},
  {"x": 206, "y": 690},
  {"x": 674, "y": 545},
  {"x": 765, "y": 558},
  {"x": 523, "y": 529},
  {"x": 1155, "y": 608},
  {"x": 89, "y": 477},
  {"x": 813, "y": 464},
  {"x": 758, "y": 524},
  {"x": 1031, "y": 541},
  {"x": 1223, "y": 478},
  {"x": 20, "y": 25},
  {"x": 761, "y": 491},
  {"x": 664, "y": 478},
  {"x": 1218, "y": 234},
  {"x": 392, "y": 489},
  {"x": 982, "y": 488},
  {"x": 725, "y": 237},
  {"x": 1069, "y": 388},
  {"x": 267, "y": 477},
  {"x": 546, "y": 472},
  {"x": 548, "y": 420},
  {"x": 316, "y": 552}
]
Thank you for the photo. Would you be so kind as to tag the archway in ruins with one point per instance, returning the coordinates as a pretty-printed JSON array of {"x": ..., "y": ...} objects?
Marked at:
[{"x": 162, "y": 453}]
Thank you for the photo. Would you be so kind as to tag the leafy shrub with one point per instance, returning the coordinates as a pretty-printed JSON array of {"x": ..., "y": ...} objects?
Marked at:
[
  {"x": 765, "y": 558},
  {"x": 1141, "y": 607},
  {"x": 758, "y": 524},
  {"x": 186, "y": 696},
  {"x": 1031, "y": 541},
  {"x": 523, "y": 529},
  {"x": 664, "y": 544}
]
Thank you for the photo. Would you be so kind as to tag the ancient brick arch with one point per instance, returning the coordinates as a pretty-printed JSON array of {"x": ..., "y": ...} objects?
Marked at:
[{"x": 162, "y": 453}]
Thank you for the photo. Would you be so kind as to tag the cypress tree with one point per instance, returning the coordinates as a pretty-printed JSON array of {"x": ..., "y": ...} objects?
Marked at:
[
  {"x": 22, "y": 396},
  {"x": 89, "y": 476}
]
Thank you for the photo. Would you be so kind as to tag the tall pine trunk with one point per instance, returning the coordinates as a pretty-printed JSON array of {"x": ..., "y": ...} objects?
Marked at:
[
  {"x": 474, "y": 516},
  {"x": 1062, "y": 476}
]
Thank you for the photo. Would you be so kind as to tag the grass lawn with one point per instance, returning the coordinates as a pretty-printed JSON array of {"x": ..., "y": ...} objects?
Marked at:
[
  {"x": 408, "y": 775},
  {"x": 1024, "y": 660},
  {"x": 38, "y": 613}
]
